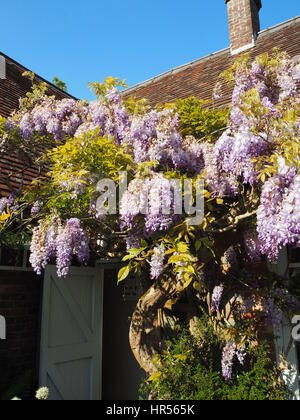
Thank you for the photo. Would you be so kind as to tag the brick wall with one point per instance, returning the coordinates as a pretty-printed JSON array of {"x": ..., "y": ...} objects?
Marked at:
[{"x": 20, "y": 304}]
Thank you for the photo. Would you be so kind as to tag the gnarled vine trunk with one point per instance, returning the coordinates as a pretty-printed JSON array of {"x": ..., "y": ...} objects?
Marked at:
[{"x": 145, "y": 333}]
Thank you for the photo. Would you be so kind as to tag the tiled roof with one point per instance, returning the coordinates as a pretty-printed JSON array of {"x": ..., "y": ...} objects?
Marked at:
[
  {"x": 13, "y": 87},
  {"x": 198, "y": 78}
]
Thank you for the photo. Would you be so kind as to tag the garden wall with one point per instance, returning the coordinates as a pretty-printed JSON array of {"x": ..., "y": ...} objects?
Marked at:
[{"x": 20, "y": 304}]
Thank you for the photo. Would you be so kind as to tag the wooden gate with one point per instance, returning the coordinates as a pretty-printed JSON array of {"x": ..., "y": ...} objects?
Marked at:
[{"x": 71, "y": 341}]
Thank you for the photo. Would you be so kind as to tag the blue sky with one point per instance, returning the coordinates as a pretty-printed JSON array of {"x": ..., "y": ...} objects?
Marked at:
[{"x": 82, "y": 41}]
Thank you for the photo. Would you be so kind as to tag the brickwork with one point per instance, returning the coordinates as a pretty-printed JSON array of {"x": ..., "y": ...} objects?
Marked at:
[
  {"x": 20, "y": 304},
  {"x": 243, "y": 23}
]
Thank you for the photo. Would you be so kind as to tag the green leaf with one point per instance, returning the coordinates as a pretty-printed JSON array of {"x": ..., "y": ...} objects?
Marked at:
[
  {"x": 198, "y": 245},
  {"x": 182, "y": 247},
  {"x": 174, "y": 259},
  {"x": 123, "y": 273},
  {"x": 134, "y": 252},
  {"x": 154, "y": 377}
]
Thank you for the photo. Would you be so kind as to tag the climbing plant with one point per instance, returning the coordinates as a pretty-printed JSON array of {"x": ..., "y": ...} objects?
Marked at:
[{"x": 247, "y": 159}]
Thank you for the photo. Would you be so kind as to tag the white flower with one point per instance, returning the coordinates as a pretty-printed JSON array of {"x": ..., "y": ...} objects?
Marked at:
[{"x": 42, "y": 394}]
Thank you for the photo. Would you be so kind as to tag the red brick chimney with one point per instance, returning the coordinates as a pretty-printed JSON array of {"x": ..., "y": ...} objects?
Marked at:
[{"x": 244, "y": 24}]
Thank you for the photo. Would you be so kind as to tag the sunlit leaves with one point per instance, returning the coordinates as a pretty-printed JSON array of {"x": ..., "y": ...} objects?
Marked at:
[
  {"x": 198, "y": 120},
  {"x": 101, "y": 89},
  {"x": 123, "y": 273}
]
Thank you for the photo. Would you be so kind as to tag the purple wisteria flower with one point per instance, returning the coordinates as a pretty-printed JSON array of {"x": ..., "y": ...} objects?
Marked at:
[
  {"x": 216, "y": 298},
  {"x": 229, "y": 353},
  {"x": 52, "y": 117},
  {"x": 38, "y": 250},
  {"x": 230, "y": 259},
  {"x": 274, "y": 306},
  {"x": 234, "y": 153},
  {"x": 113, "y": 95},
  {"x": 133, "y": 240},
  {"x": 278, "y": 218},
  {"x": 80, "y": 240},
  {"x": 36, "y": 208},
  {"x": 3, "y": 204},
  {"x": 11, "y": 199},
  {"x": 157, "y": 262},
  {"x": 7, "y": 202},
  {"x": 252, "y": 246},
  {"x": 64, "y": 251},
  {"x": 71, "y": 240},
  {"x": 151, "y": 199},
  {"x": 62, "y": 242},
  {"x": 273, "y": 313}
]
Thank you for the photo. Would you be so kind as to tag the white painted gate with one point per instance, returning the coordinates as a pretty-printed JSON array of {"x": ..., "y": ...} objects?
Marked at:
[{"x": 71, "y": 341}]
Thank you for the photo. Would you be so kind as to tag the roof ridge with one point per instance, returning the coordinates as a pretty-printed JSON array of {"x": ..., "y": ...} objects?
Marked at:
[
  {"x": 280, "y": 25},
  {"x": 204, "y": 58}
]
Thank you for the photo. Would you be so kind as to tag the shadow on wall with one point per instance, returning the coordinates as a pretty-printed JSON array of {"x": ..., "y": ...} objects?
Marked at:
[{"x": 122, "y": 375}]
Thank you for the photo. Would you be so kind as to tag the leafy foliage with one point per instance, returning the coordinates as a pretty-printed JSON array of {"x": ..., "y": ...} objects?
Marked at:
[
  {"x": 60, "y": 84},
  {"x": 191, "y": 370},
  {"x": 102, "y": 89},
  {"x": 197, "y": 119}
]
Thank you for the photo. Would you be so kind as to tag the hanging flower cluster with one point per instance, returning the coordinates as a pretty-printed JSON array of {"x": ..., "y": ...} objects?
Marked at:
[
  {"x": 216, "y": 298},
  {"x": 252, "y": 132},
  {"x": 229, "y": 353},
  {"x": 278, "y": 218},
  {"x": 148, "y": 205},
  {"x": 234, "y": 153},
  {"x": 6, "y": 202},
  {"x": 57, "y": 118},
  {"x": 71, "y": 240},
  {"x": 110, "y": 117},
  {"x": 36, "y": 208},
  {"x": 60, "y": 242},
  {"x": 252, "y": 246},
  {"x": 68, "y": 118},
  {"x": 155, "y": 137},
  {"x": 157, "y": 262}
]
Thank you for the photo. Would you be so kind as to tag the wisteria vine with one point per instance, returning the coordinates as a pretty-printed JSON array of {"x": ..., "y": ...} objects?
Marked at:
[{"x": 251, "y": 176}]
